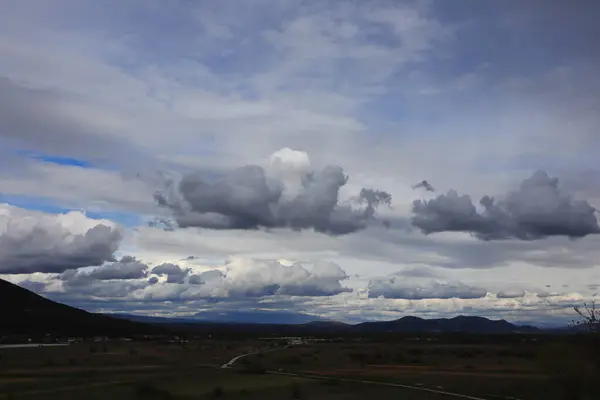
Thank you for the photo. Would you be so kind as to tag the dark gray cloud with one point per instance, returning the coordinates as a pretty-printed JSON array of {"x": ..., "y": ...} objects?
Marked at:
[
  {"x": 126, "y": 268},
  {"x": 536, "y": 210},
  {"x": 424, "y": 185},
  {"x": 510, "y": 294},
  {"x": 38, "y": 242},
  {"x": 175, "y": 274},
  {"x": 394, "y": 288},
  {"x": 195, "y": 279},
  {"x": 153, "y": 280},
  {"x": 248, "y": 198},
  {"x": 112, "y": 281},
  {"x": 111, "y": 289}
]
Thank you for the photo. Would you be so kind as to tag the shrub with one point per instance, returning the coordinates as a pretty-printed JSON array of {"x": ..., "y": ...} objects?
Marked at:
[
  {"x": 296, "y": 391},
  {"x": 416, "y": 352},
  {"x": 149, "y": 392},
  {"x": 400, "y": 357},
  {"x": 218, "y": 392}
]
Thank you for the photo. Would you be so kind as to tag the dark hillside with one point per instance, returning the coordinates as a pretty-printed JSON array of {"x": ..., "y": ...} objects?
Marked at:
[{"x": 25, "y": 312}]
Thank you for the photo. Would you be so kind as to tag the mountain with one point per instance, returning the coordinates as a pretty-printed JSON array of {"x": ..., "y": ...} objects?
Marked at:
[
  {"x": 228, "y": 317},
  {"x": 466, "y": 324},
  {"x": 288, "y": 323},
  {"x": 25, "y": 312},
  {"x": 28, "y": 313},
  {"x": 149, "y": 319},
  {"x": 256, "y": 317}
]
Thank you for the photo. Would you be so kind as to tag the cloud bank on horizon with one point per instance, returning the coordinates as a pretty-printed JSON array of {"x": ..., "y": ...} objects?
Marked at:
[{"x": 285, "y": 144}]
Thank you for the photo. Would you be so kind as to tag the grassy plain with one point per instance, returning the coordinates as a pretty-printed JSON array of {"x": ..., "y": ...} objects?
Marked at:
[
  {"x": 145, "y": 370},
  {"x": 526, "y": 371}
]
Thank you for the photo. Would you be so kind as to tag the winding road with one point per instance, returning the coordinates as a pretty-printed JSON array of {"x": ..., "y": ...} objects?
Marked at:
[
  {"x": 230, "y": 363},
  {"x": 389, "y": 384}
]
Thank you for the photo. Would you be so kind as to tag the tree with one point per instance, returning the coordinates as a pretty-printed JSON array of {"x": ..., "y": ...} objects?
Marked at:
[{"x": 589, "y": 318}]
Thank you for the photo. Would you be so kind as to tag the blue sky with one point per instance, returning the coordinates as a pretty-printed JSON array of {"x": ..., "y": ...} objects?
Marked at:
[{"x": 104, "y": 105}]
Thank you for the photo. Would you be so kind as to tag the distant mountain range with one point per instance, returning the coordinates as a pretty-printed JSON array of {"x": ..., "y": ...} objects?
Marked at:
[
  {"x": 230, "y": 317},
  {"x": 26, "y": 312},
  {"x": 262, "y": 321},
  {"x": 461, "y": 323}
]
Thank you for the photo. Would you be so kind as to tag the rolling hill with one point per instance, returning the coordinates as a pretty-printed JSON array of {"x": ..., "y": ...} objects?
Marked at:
[
  {"x": 276, "y": 324},
  {"x": 25, "y": 312},
  {"x": 28, "y": 313},
  {"x": 465, "y": 324}
]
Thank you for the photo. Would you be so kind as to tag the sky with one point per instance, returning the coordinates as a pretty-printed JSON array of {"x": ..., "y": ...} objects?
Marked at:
[{"x": 341, "y": 159}]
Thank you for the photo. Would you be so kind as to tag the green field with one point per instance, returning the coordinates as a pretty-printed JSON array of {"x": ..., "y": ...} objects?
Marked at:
[
  {"x": 122, "y": 371},
  {"x": 526, "y": 371},
  {"x": 195, "y": 383}
]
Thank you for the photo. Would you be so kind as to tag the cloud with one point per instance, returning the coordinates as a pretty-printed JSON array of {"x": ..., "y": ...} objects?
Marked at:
[
  {"x": 286, "y": 194},
  {"x": 420, "y": 272},
  {"x": 175, "y": 274},
  {"x": 425, "y": 185},
  {"x": 243, "y": 277},
  {"x": 544, "y": 294},
  {"x": 126, "y": 268},
  {"x": 510, "y": 294},
  {"x": 97, "y": 289},
  {"x": 39, "y": 242},
  {"x": 195, "y": 280},
  {"x": 536, "y": 210},
  {"x": 394, "y": 288},
  {"x": 34, "y": 286}
]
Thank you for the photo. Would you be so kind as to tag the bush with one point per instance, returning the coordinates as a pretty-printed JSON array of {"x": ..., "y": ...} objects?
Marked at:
[
  {"x": 149, "y": 392},
  {"x": 416, "y": 352},
  {"x": 360, "y": 358},
  {"x": 437, "y": 351},
  {"x": 293, "y": 360},
  {"x": 218, "y": 392},
  {"x": 253, "y": 368},
  {"x": 569, "y": 367},
  {"x": 296, "y": 391}
]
